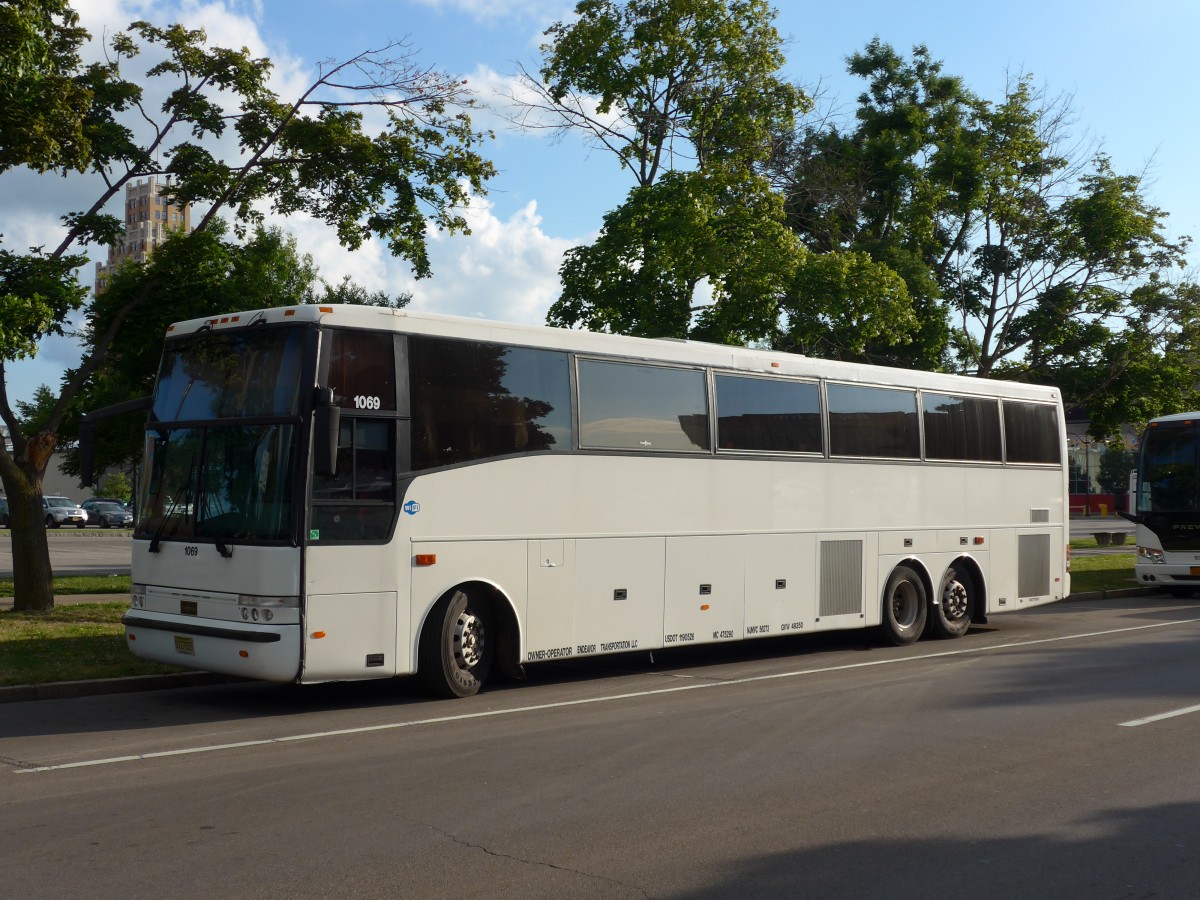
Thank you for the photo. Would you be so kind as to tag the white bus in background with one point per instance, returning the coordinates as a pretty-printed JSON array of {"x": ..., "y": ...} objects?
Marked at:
[
  {"x": 1167, "y": 505},
  {"x": 338, "y": 493}
]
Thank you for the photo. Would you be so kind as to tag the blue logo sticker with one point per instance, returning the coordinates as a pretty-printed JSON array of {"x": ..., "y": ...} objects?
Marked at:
[{"x": 412, "y": 507}]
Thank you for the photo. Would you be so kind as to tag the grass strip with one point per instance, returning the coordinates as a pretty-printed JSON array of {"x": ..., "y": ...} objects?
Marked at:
[
  {"x": 1102, "y": 573},
  {"x": 73, "y": 642},
  {"x": 66, "y": 585}
]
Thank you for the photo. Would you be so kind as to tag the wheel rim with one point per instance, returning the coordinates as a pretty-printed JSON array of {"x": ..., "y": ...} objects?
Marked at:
[
  {"x": 906, "y": 605},
  {"x": 955, "y": 599},
  {"x": 468, "y": 640}
]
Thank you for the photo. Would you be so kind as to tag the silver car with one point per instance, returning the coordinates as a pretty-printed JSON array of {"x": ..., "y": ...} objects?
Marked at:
[{"x": 63, "y": 511}]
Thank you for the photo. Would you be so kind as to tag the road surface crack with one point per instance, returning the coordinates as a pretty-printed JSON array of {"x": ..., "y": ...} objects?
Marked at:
[{"x": 533, "y": 862}]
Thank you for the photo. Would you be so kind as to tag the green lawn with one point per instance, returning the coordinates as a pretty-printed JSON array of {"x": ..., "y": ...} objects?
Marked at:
[
  {"x": 79, "y": 584},
  {"x": 1101, "y": 573},
  {"x": 69, "y": 643}
]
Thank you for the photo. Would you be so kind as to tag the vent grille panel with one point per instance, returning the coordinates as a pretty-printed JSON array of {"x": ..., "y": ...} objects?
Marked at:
[
  {"x": 841, "y": 577},
  {"x": 1033, "y": 565}
]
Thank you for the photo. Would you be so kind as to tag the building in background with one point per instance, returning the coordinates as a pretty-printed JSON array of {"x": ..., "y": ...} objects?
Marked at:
[{"x": 149, "y": 218}]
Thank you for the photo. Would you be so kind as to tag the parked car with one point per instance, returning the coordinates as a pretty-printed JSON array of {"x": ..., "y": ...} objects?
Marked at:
[
  {"x": 63, "y": 511},
  {"x": 92, "y": 502},
  {"x": 108, "y": 515},
  {"x": 4, "y": 512}
]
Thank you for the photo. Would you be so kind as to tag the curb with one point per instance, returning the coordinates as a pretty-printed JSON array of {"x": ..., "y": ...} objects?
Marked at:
[{"x": 64, "y": 690}]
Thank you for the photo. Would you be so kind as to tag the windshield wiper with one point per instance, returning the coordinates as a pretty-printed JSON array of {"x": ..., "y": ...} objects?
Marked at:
[{"x": 184, "y": 488}]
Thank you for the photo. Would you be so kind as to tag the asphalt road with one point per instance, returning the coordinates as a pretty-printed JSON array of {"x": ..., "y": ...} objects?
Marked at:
[
  {"x": 88, "y": 551},
  {"x": 1018, "y": 761}
]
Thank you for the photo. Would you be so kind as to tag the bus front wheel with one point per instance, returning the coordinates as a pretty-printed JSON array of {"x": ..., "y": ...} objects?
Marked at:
[
  {"x": 950, "y": 617},
  {"x": 905, "y": 607},
  {"x": 456, "y": 650}
]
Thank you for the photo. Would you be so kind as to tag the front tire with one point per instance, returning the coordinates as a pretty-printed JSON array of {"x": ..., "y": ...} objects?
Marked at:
[
  {"x": 51, "y": 522},
  {"x": 457, "y": 646},
  {"x": 950, "y": 617},
  {"x": 905, "y": 606}
]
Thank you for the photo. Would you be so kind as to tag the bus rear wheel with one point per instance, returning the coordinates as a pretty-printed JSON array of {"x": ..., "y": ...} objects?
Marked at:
[
  {"x": 905, "y": 606},
  {"x": 950, "y": 617},
  {"x": 457, "y": 646}
]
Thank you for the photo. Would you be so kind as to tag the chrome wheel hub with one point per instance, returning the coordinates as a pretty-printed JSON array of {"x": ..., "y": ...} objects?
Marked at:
[{"x": 468, "y": 640}]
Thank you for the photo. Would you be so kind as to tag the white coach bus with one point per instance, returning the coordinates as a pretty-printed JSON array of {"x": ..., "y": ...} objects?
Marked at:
[
  {"x": 1167, "y": 504},
  {"x": 340, "y": 493}
]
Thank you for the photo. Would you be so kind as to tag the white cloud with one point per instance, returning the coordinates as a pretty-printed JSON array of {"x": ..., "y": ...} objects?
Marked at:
[{"x": 505, "y": 269}]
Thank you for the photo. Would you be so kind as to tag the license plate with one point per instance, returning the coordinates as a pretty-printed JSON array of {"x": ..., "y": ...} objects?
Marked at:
[{"x": 185, "y": 645}]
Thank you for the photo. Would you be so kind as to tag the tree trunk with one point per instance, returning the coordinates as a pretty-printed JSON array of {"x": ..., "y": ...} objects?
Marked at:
[{"x": 32, "y": 576}]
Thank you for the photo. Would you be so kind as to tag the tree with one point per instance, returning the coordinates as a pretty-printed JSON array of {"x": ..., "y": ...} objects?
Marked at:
[
  {"x": 685, "y": 94},
  {"x": 641, "y": 275},
  {"x": 1024, "y": 253},
  {"x": 1116, "y": 462},
  {"x": 895, "y": 187},
  {"x": 310, "y": 154}
]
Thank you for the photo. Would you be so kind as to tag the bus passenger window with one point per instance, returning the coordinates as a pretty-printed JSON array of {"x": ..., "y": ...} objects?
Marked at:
[
  {"x": 1031, "y": 433},
  {"x": 626, "y": 406},
  {"x": 966, "y": 428},
  {"x": 873, "y": 422},
  {"x": 768, "y": 414}
]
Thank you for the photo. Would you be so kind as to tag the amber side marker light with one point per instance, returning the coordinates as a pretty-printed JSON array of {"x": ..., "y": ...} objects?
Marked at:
[
  {"x": 244, "y": 654},
  {"x": 425, "y": 559},
  {"x": 317, "y": 635}
]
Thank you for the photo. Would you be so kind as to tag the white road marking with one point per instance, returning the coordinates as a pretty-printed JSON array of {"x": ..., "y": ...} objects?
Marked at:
[
  {"x": 696, "y": 686},
  {"x": 1158, "y": 718}
]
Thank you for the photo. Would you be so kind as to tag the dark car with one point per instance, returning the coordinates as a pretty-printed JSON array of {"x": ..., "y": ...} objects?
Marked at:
[
  {"x": 108, "y": 515},
  {"x": 3, "y": 512}
]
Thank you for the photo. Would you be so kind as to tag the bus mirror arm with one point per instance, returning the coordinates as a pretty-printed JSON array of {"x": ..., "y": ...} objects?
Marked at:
[
  {"x": 327, "y": 422},
  {"x": 87, "y": 434}
]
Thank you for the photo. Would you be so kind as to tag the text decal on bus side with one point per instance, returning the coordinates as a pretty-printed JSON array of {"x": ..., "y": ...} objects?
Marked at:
[{"x": 412, "y": 507}]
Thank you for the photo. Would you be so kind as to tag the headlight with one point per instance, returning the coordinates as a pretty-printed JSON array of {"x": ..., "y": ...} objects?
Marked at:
[
  {"x": 1151, "y": 555},
  {"x": 137, "y": 596}
]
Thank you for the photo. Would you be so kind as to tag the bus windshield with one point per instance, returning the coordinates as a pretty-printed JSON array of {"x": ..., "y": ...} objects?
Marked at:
[
  {"x": 221, "y": 450},
  {"x": 1169, "y": 482}
]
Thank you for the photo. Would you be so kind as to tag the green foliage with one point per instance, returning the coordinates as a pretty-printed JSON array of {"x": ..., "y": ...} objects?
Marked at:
[
  {"x": 640, "y": 276},
  {"x": 689, "y": 101},
  {"x": 37, "y": 293},
  {"x": 673, "y": 79},
  {"x": 43, "y": 98},
  {"x": 116, "y": 484},
  {"x": 842, "y": 304},
  {"x": 1116, "y": 462}
]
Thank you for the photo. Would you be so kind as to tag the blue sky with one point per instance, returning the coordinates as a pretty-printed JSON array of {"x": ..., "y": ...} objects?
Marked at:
[{"x": 1129, "y": 68}]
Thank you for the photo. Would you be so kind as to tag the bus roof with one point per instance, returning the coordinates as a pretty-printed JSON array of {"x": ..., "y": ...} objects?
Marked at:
[{"x": 667, "y": 350}]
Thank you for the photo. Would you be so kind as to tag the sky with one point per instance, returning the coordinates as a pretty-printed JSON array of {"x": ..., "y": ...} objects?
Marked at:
[{"x": 1129, "y": 69}]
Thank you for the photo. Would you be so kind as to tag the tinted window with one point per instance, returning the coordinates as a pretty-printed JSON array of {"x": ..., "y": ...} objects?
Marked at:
[
  {"x": 768, "y": 414},
  {"x": 358, "y": 502},
  {"x": 247, "y": 373},
  {"x": 642, "y": 407},
  {"x": 870, "y": 421},
  {"x": 362, "y": 369},
  {"x": 961, "y": 427},
  {"x": 1031, "y": 433},
  {"x": 473, "y": 401}
]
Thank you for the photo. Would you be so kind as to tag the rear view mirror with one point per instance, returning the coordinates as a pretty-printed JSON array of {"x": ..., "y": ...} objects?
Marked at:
[{"x": 327, "y": 422}]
